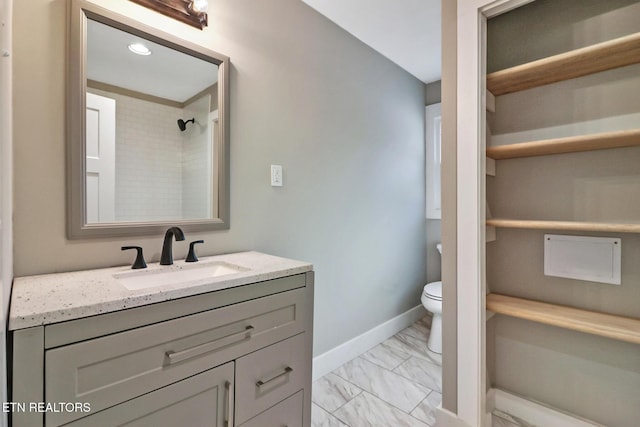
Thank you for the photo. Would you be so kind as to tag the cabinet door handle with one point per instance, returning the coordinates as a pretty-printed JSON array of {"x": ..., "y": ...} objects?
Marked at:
[
  {"x": 263, "y": 382},
  {"x": 227, "y": 404},
  {"x": 179, "y": 356}
]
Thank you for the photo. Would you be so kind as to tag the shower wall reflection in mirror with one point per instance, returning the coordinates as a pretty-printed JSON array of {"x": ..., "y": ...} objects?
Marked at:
[{"x": 151, "y": 130}]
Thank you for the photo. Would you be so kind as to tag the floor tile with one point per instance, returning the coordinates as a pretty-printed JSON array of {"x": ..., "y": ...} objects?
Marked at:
[
  {"x": 419, "y": 330},
  {"x": 425, "y": 410},
  {"x": 366, "y": 410},
  {"x": 331, "y": 392},
  {"x": 321, "y": 418},
  {"x": 504, "y": 419},
  {"x": 385, "y": 356},
  {"x": 387, "y": 385},
  {"x": 414, "y": 347},
  {"x": 422, "y": 372}
]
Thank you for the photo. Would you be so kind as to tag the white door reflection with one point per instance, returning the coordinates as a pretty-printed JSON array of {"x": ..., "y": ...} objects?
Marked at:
[{"x": 101, "y": 156}]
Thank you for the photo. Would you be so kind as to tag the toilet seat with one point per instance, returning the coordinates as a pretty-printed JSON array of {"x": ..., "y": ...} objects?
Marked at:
[{"x": 433, "y": 290}]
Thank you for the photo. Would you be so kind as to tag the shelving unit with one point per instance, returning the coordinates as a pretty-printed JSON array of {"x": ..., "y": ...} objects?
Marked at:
[
  {"x": 580, "y": 62},
  {"x": 589, "y": 104},
  {"x": 564, "y": 225},
  {"x": 591, "y": 322},
  {"x": 576, "y": 63},
  {"x": 573, "y": 144}
]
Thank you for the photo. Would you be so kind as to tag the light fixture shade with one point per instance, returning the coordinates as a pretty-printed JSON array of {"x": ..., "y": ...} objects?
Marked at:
[{"x": 200, "y": 5}]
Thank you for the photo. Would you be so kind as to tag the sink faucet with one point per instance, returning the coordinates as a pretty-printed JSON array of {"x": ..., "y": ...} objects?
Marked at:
[{"x": 167, "y": 255}]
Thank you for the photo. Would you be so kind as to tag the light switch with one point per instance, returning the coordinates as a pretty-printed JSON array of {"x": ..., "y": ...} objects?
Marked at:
[{"x": 276, "y": 176}]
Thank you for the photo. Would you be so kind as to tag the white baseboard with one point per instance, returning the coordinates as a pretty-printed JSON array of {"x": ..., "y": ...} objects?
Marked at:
[
  {"x": 337, "y": 356},
  {"x": 533, "y": 412},
  {"x": 445, "y": 418}
]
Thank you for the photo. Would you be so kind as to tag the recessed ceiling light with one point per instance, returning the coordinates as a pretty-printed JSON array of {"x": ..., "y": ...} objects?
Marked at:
[{"x": 139, "y": 49}]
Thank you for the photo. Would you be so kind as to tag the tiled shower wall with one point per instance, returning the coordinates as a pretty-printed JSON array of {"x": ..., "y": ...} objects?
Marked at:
[
  {"x": 197, "y": 160},
  {"x": 153, "y": 158}
]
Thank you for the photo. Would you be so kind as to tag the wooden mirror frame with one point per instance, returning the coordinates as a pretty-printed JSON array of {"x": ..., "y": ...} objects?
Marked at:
[{"x": 77, "y": 226}]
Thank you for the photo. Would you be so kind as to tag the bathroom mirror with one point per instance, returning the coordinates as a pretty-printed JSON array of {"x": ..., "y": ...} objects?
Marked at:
[{"x": 148, "y": 129}]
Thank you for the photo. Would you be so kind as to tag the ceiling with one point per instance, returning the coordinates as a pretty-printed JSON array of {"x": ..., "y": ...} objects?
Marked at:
[
  {"x": 160, "y": 74},
  {"x": 405, "y": 31}
]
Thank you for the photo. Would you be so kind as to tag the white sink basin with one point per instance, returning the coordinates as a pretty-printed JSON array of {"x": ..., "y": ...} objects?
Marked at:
[{"x": 176, "y": 274}]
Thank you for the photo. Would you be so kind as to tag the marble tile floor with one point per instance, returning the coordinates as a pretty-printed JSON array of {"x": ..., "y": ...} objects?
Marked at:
[
  {"x": 395, "y": 384},
  {"x": 503, "y": 419}
]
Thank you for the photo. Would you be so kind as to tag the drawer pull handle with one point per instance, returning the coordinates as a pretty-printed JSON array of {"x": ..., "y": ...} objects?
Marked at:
[
  {"x": 263, "y": 382},
  {"x": 179, "y": 356}
]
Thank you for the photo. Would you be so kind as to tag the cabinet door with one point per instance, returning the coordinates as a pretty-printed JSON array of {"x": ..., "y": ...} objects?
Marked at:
[
  {"x": 286, "y": 413},
  {"x": 204, "y": 400}
]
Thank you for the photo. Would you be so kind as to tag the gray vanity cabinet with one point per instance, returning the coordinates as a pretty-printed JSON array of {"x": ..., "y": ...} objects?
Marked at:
[{"x": 239, "y": 356}]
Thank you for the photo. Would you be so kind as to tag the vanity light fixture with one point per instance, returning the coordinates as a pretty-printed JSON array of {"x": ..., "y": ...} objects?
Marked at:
[
  {"x": 192, "y": 12},
  {"x": 139, "y": 49}
]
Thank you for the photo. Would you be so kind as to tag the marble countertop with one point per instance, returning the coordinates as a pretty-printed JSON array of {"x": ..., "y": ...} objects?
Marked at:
[{"x": 51, "y": 298}]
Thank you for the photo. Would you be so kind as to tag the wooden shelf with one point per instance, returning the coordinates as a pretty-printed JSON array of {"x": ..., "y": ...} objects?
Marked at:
[
  {"x": 591, "y": 322},
  {"x": 572, "y": 144},
  {"x": 564, "y": 225},
  {"x": 576, "y": 63}
]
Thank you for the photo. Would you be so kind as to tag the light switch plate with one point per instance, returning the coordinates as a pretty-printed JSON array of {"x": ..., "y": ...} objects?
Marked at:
[{"x": 276, "y": 176}]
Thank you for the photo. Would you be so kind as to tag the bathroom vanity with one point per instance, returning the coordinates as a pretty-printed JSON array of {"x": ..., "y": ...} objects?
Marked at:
[{"x": 230, "y": 345}]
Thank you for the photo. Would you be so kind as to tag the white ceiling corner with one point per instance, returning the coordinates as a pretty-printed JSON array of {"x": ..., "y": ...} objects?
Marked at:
[{"x": 405, "y": 31}]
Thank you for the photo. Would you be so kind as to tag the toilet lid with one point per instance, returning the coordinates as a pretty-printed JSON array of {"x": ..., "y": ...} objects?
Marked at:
[{"x": 433, "y": 290}]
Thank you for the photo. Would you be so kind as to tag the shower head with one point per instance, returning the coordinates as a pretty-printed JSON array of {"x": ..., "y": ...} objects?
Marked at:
[{"x": 183, "y": 125}]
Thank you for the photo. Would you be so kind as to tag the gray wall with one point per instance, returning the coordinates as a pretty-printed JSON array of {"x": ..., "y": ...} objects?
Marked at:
[
  {"x": 593, "y": 377},
  {"x": 346, "y": 124}
]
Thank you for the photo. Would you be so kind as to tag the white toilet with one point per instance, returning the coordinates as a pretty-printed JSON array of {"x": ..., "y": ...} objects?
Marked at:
[{"x": 432, "y": 301}]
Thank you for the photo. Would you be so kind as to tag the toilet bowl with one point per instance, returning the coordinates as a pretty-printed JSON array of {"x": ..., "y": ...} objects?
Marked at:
[{"x": 432, "y": 301}]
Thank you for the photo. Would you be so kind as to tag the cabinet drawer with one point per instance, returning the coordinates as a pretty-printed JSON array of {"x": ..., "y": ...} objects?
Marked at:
[
  {"x": 268, "y": 376},
  {"x": 286, "y": 413},
  {"x": 109, "y": 370},
  {"x": 205, "y": 400}
]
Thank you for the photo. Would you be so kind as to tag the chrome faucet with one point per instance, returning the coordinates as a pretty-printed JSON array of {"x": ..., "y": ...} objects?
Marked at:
[{"x": 167, "y": 254}]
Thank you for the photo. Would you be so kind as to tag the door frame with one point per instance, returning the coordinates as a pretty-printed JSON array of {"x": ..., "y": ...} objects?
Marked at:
[
  {"x": 6, "y": 187},
  {"x": 472, "y": 18}
]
